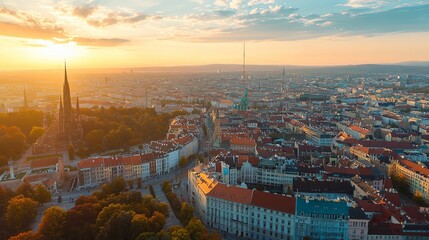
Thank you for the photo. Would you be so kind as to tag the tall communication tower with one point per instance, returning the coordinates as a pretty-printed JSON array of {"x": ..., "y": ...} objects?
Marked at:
[{"x": 244, "y": 62}]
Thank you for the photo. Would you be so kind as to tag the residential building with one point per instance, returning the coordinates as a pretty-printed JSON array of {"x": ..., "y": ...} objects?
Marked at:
[
  {"x": 416, "y": 175},
  {"x": 272, "y": 216},
  {"x": 188, "y": 145},
  {"x": 244, "y": 145},
  {"x": 320, "y": 219},
  {"x": 169, "y": 148},
  {"x": 358, "y": 224}
]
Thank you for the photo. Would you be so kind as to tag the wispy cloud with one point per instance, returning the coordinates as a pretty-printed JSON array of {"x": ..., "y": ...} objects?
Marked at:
[
  {"x": 22, "y": 31},
  {"x": 235, "y": 4},
  {"x": 100, "y": 16},
  {"x": 100, "y": 42},
  {"x": 30, "y": 27},
  {"x": 364, "y": 3},
  {"x": 107, "y": 24},
  {"x": 221, "y": 3},
  {"x": 84, "y": 11},
  {"x": 285, "y": 24},
  {"x": 256, "y": 2}
]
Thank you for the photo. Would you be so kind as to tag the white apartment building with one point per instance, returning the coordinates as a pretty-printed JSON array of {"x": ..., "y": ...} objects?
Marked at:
[
  {"x": 358, "y": 224},
  {"x": 188, "y": 145}
]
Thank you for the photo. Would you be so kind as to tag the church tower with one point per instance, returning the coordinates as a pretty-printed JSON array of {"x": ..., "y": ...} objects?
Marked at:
[
  {"x": 61, "y": 116},
  {"x": 77, "y": 110},
  {"x": 67, "y": 104}
]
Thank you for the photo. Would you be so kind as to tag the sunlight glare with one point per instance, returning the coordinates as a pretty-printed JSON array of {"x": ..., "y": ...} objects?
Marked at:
[{"x": 53, "y": 51}]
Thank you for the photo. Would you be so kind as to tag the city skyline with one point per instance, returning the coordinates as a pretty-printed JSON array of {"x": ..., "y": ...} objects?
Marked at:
[{"x": 95, "y": 34}]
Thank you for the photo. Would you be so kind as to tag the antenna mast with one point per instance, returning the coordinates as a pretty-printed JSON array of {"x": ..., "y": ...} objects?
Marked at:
[{"x": 244, "y": 62}]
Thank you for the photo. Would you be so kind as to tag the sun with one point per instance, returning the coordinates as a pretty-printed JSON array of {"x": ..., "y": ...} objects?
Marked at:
[
  {"x": 62, "y": 50},
  {"x": 50, "y": 50}
]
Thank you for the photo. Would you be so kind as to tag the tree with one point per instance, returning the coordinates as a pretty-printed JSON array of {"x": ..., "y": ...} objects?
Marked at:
[
  {"x": 139, "y": 224},
  {"x": 183, "y": 161},
  {"x": 166, "y": 186},
  {"x": 147, "y": 236},
  {"x": 5, "y": 195},
  {"x": 71, "y": 152},
  {"x": 156, "y": 222},
  {"x": 119, "y": 137},
  {"x": 26, "y": 236},
  {"x": 214, "y": 235},
  {"x": 105, "y": 214},
  {"x": 12, "y": 142},
  {"x": 196, "y": 229},
  {"x": 24, "y": 120},
  {"x": 26, "y": 190},
  {"x": 418, "y": 198},
  {"x": 94, "y": 139},
  {"x": 178, "y": 233},
  {"x": 139, "y": 183},
  {"x": 85, "y": 199},
  {"x": 400, "y": 183},
  {"x": 41, "y": 194},
  {"x": 3, "y": 161},
  {"x": 186, "y": 213},
  {"x": 118, "y": 227},
  {"x": 130, "y": 184},
  {"x": 36, "y": 133},
  {"x": 152, "y": 191},
  {"x": 80, "y": 221},
  {"x": 115, "y": 187},
  {"x": 20, "y": 213},
  {"x": 53, "y": 222}
]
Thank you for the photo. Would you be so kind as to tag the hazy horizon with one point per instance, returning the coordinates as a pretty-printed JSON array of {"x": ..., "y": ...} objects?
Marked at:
[{"x": 238, "y": 66}]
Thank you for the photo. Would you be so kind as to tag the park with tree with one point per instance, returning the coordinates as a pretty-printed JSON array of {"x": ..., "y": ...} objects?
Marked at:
[
  {"x": 120, "y": 128},
  {"x": 112, "y": 212}
]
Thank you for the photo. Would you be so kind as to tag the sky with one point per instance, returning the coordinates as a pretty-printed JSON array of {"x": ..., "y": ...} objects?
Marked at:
[{"x": 137, "y": 33}]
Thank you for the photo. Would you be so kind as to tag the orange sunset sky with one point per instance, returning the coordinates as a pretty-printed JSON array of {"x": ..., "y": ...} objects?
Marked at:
[{"x": 131, "y": 33}]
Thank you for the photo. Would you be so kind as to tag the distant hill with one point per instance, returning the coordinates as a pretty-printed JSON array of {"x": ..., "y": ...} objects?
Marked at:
[
  {"x": 371, "y": 68},
  {"x": 415, "y": 63}
]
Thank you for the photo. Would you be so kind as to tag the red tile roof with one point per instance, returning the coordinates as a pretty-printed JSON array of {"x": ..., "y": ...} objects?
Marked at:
[
  {"x": 415, "y": 167},
  {"x": 393, "y": 197},
  {"x": 44, "y": 163},
  {"x": 388, "y": 183},
  {"x": 147, "y": 157},
  {"x": 247, "y": 158},
  {"x": 360, "y": 130},
  {"x": 163, "y": 146},
  {"x": 109, "y": 161},
  {"x": 243, "y": 141},
  {"x": 90, "y": 163},
  {"x": 232, "y": 193},
  {"x": 416, "y": 214},
  {"x": 274, "y": 202},
  {"x": 184, "y": 140},
  {"x": 369, "y": 206},
  {"x": 132, "y": 160},
  {"x": 385, "y": 229},
  {"x": 386, "y": 144}
]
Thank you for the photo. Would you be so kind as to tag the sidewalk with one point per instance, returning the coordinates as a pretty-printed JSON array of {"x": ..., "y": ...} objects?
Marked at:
[{"x": 172, "y": 219}]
